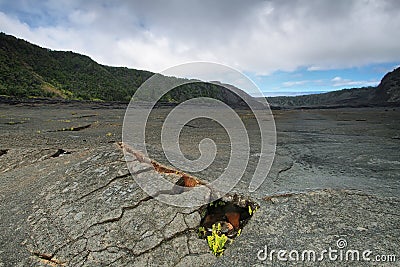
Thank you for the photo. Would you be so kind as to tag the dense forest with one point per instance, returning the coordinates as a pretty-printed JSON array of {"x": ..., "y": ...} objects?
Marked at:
[{"x": 27, "y": 70}]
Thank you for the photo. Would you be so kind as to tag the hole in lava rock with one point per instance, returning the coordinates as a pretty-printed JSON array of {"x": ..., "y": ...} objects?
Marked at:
[
  {"x": 3, "y": 152},
  {"x": 224, "y": 219},
  {"x": 60, "y": 152}
]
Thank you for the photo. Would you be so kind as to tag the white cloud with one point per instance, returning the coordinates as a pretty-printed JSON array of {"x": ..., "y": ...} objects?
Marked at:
[
  {"x": 339, "y": 81},
  {"x": 293, "y": 83},
  {"x": 257, "y": 36},
  {"x": 302, "y": 82}
]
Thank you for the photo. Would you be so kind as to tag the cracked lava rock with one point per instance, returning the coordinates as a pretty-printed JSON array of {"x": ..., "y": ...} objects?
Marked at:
[{"x": 84, "y": 208}]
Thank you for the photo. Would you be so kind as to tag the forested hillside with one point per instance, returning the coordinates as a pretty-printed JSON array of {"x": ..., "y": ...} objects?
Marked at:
[{"x": 27, "y": 70}]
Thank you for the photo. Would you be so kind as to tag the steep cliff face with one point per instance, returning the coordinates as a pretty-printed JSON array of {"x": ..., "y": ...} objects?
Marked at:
[
  {"x": 389, "y": 88},
  {"x": 236, "y": 96}
]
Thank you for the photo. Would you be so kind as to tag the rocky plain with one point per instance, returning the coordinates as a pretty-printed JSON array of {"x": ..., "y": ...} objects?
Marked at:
[{"x": 68, "y": 199}]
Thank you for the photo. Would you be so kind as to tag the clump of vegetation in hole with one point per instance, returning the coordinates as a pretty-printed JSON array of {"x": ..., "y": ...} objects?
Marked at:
[
  {"x": 223, "y": 220},
  {"x": 216, "y": 241}
]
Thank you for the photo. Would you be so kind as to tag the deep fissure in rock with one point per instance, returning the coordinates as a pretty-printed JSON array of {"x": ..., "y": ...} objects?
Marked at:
[{"x": 48, "y": 259}]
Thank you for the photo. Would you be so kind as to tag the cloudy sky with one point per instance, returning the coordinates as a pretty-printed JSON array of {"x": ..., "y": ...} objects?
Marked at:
[{"x": 285, "y": 47}]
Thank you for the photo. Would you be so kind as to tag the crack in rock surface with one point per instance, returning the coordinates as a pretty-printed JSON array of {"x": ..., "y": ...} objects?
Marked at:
[{"x": 95, "y": 214}]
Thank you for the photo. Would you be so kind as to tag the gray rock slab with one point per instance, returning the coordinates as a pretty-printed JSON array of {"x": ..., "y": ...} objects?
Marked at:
[
  {"x": 89, "y": 211},
  {"x": 85, "y": 209},
  {"x": 315, "y": 221}
]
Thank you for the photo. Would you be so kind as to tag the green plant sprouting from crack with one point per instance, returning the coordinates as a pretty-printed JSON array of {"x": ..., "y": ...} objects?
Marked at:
[
  {"x": 216, "y": 241},
  {"x": 251, "y": 211}
]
